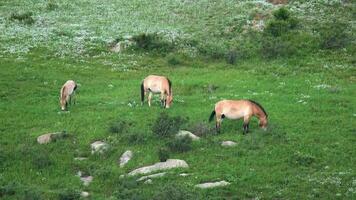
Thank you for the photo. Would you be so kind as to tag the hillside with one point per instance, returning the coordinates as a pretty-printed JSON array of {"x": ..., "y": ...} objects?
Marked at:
[{"x": 296, "y": 59}]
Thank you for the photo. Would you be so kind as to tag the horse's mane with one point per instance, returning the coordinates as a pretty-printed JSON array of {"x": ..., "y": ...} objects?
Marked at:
[
  {"x": 259, "y": 105},
  {"x": 169, "y": 86}
]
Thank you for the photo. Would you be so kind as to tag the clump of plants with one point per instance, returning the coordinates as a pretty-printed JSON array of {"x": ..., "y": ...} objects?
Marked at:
[
  {"x": 173, "y": 192},
  {"x": 163, "y": 154},
  {"x": 302, "y": 159},
  {"x": 201, "y": 129},
  {"x": 231, "y": 57},
  {"x": 24, "y": 17},
  {"x": 152, "y": 42},
  {"x": 119, "y": 126},
  {"x": 166, "y": 126},
  {"x": 180, "y": 144},
  {"x": 51, "y": 6},
  {"x": 281, "y": 23},
  {"x": 333, "y": 35},
  {"x": 69, "y": 194}
]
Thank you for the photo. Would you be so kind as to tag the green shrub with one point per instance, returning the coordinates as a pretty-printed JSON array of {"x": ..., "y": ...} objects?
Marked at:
[
  {"x": 173, "y": 60},
  {"x": 31, "y": 194},
  {"x": 302, "y": 159},
  {"x": 127, "y": 189},
  {"x": 180, "y": 144},
  {"x": 334, "y": 35},
  {"x": 231, "y": 57},
  {"x": 281, "y": 23},
  {"x": 173, "y": 192},
  {"x": 152, "y": 42},
  {"x": 163, "y": 154},
  {"x": 41, "y": 159},
  {"x": 51, "y": 6},
  {"x": 69, "y": 194},
  {"x": 201, "y": 129},
  {"x": 277, "y": 47},
  {"x": 8, "y": 190},
  {"x": 137, "y": 138},
  {"x": 25, "y": 17},
  {"x": 165, "y": 125},
  {"x": 119, "y": 127}
]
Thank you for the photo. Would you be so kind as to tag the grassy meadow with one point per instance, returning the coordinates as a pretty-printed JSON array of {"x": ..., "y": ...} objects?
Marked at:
[{"x": 303, "y": 75}]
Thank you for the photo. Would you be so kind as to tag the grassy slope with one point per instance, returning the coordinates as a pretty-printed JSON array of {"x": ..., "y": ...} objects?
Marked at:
[{"x": 307, "y": 153}]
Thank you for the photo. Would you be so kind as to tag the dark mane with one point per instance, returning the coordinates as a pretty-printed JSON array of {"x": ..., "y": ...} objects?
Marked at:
[{"x": 259, "y": 105}]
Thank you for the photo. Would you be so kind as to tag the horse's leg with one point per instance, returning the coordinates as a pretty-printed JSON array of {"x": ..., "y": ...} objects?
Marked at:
[
  {"x": 162, "y": 100},
  {"x": 246, "y": 124},
  {"x": 149, "y": 97},
  {"x": 74, "y": 98},
  {"x": 218, "y": 123}
]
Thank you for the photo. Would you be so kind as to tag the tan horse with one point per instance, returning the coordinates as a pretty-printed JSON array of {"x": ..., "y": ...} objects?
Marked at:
[
  {"x": 153, "y": 84},
  {"x": 236, "y": 109},
  {"x": 67, "y": 93}
]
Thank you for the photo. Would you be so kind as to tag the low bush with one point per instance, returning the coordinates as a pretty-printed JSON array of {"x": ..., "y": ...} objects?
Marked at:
[
  {"x": 152, "y": 42},
  {"x": 163, "y": 154},
  {"x": 69, "y": 194},
  {"x": 25, "y": 17},
  {"x": 173, "y": 192},
  {"x": 302, "y": 159},
  {"x": 231, "y": 57},
  {"x": 281, "y": 23},
  {"x": 51, "y": 6},
  {"x": 166, "y": 126},
  {"x": 8, "y": 189},
  {"x": 201, "y": 129},
  {"x": 333, "y": 35},
  {"x": 119, "y": 126},
  {"x": 180, "y": 144}
]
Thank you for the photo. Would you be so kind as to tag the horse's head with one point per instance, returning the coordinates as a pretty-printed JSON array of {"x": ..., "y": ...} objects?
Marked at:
[
  {"x": 169, "y": 101},
  {"x": 263, "y": 123}
]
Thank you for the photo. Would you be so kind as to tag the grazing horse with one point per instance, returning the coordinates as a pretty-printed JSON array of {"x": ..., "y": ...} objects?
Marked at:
[
  {"x": 67, "y": 92},
  {"x": 153, "y": 84},
  {"x": 236, "y": 109}
]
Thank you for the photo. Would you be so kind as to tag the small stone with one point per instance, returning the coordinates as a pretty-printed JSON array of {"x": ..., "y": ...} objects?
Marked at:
[
  {"x": 99, "y": 147},
  {"x": 183, "y": 133},
  {"x": 84, "y": 194},
  {"x": 49, "y": 137},
  {"x": 228, "y": 144},
  {"x": 125, "y": 158},
  {"x": 212, "y": 184}
]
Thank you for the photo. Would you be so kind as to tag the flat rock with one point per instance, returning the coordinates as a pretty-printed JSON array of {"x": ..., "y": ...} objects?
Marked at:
[
  {"x": 149, "y": 181},
  {"x": 169, "y": 164},
  {"x": 212, "y": 184},
  {"x": 151, "y": 176},
  {"x": 228, "y": 144},
  {"x": 183, "y": 133},
  {"x": 184, "y": 174},
  {"x": 80, "y": 158},
  {"x": 99, "y": 147},
  {"x": 125, "y": 157}
]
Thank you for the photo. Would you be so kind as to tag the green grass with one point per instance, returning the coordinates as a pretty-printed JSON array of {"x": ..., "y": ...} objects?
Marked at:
[{"x": 307, "y": 153}]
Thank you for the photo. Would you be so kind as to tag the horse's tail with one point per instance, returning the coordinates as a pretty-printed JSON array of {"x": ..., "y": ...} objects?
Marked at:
[
  {"x": 169, "y": 86},
  {"x": 142, "y": 92},
  {"x": 212, "y": 116}
]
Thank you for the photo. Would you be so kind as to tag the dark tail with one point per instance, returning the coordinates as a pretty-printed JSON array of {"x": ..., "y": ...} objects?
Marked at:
[
  {"x": 169, "y": 86},
  {"x": 142, "y": 92},
  {"x": 212, "y": 116}
]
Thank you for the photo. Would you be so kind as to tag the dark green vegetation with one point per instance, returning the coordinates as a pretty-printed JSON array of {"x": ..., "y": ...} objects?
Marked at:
[{"x": 300, "y": 67}]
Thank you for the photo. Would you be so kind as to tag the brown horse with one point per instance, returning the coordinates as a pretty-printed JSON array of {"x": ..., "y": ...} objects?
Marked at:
[
  {"x": 236, "y": 109},
  {"x": 153, "y": 84},
  {"x": 67, "y": 93}
]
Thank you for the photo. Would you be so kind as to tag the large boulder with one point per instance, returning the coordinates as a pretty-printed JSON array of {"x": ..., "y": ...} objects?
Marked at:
[
  {"x": 169, "y": 164},
  {"x": 212, "y": 184},
  {"x": 99, "y": 147},
  {"x": 125, "y": 157}
]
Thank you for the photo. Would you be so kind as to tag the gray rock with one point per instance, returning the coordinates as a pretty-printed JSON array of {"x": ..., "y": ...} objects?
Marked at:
[
  {"x": 183, "y": 133},
  {"x": 212, "y": 184},
  {"x": 80, "y": 158},
  {"x": 169, "y": 164},
  {"x": 151, "y": 176},
  {"x": 86, "y": 180},
  {"x": 228, "y": 144},
  {"x": 121, "y": 46},
  {"x": 184, "y": 174},
  {"x": 125, "y": 157},
  {"x": 84, "y": 194},
  {"x": 49, "y": 137},
  {"x": 149, "y": 181},
  {"x": 99, "y": 147}
]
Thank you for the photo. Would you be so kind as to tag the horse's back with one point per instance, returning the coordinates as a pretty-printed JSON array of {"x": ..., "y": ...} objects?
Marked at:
[
  {"x": 155, "y": 83},
  {"x": 69, "y": 87},
  {"x": 233, "y": 109}
]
